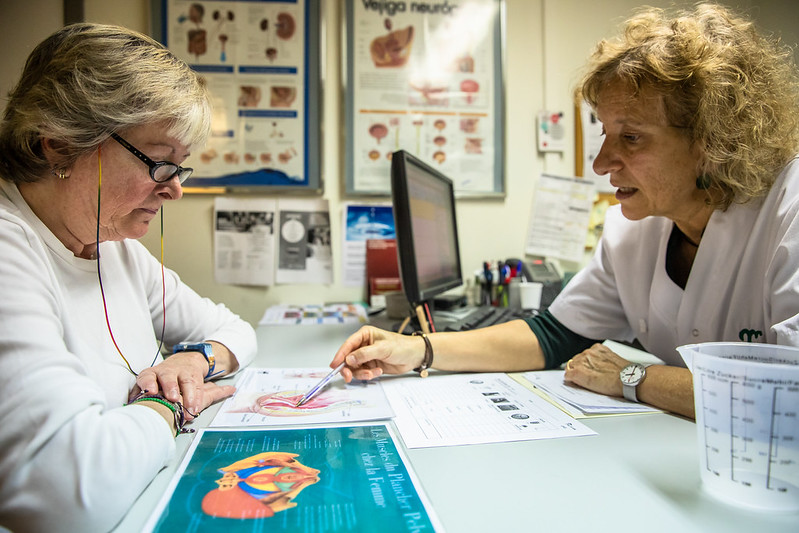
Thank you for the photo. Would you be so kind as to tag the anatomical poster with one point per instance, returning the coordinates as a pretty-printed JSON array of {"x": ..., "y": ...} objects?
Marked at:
[
  {"x": 345, "y": 478},
  {"x": 424, "y": 77},
  {"x": 254, "y": 56}
]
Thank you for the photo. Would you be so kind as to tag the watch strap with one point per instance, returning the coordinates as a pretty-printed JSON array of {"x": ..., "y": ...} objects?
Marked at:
[{"x": 629, "y": 392}]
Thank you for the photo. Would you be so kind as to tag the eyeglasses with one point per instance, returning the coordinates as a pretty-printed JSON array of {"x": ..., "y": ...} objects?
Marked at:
[{"x": 160, "y": 171}]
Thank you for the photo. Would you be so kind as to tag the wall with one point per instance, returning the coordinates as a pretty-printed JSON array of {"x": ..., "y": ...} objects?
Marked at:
[{"x": 543, "y": 36}]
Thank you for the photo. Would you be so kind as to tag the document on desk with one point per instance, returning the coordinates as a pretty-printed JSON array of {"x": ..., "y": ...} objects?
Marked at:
[
  {"x": 340, "y": 478},
  {"x": 450, "y": 410},
  {"x": 580, "y": 402},
  {"x": 314, "y": 314},
  {"x": 269, "y": 396}
]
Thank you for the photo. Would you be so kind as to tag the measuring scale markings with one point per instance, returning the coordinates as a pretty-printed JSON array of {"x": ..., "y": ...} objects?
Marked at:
[{"x": 754, "y": 426}]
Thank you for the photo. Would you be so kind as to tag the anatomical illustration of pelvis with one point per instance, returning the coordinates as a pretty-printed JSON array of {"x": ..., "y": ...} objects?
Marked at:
[
  {"x": 259, "y": 486},
  {"x": 393, "y": 49}
]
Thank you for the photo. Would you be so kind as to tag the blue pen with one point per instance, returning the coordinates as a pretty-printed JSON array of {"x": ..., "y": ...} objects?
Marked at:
[
  {"x": 319, "y": 386},
  {"x": 487, "y": 287}
]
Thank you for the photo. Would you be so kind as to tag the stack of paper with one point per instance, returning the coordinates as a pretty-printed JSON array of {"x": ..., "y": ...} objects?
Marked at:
[{"x": 577, "y": 401}]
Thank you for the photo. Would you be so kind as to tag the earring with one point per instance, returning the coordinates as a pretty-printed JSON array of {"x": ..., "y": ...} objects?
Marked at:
[
  {"x": 61, "y": 174},
  {"x": 703, "y": 182}
]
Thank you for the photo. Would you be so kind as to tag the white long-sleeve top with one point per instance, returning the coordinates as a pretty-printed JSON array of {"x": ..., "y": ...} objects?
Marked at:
[
  {"x": 73, "y": 457},
  {"x": 743, "y": 286}
]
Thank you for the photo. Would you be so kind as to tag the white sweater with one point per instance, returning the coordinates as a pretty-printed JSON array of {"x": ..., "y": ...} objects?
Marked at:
[{"x": 74, "y": 457}]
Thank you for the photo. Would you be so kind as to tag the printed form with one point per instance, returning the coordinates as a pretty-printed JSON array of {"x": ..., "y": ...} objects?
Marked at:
[{"x": 451, "y": 410}]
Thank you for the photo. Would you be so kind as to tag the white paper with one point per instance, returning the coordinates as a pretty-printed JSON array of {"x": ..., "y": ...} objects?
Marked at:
[
  {"x": 450, "y": 410},
  {"x": 244, "y": 241},
  {"x": 560, "y": 216},
  {"x": 361, "y": 223},
  {"x": 578, "y": 401},
  {"x": 268, "y": 397},
  {"x": 306, "y": 315},
  {"x": 592, "y": 142},
  {"x": 304, "y": 251}
]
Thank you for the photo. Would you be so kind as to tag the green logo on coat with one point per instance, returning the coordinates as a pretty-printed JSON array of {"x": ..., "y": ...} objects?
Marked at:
[{"x": 749, "y": 335}]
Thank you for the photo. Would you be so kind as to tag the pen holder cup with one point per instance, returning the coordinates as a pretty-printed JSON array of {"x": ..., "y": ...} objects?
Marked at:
[
  {"x": 746, "y": 397},
  {"x": 530, "y": 295}
]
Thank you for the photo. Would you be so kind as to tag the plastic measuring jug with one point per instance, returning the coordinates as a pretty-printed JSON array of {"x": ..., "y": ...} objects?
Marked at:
[{"x": 747, "y": 418}]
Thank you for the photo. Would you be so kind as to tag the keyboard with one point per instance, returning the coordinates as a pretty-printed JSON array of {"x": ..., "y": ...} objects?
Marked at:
[{"x": 477, "y": 317}]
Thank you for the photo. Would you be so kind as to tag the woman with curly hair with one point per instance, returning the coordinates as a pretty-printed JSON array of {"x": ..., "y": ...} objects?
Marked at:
[{"x": 699, "y": 115}]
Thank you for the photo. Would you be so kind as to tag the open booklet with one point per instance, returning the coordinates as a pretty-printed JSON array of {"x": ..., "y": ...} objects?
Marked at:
[{"x": 269, "y": 396}]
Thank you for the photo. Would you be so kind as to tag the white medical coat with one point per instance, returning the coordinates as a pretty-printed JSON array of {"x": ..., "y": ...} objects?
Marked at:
[{"x": 743, "y": 286}]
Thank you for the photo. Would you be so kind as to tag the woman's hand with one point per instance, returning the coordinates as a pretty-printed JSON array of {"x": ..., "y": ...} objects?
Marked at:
[
  {"x": 370, "y": 352},
  {"x": 181, "y": 378},
  {"x": 597, "y": 369}
]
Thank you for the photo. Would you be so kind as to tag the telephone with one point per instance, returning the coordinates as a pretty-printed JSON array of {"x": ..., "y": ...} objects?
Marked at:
[{"x": 542, "y": 271}]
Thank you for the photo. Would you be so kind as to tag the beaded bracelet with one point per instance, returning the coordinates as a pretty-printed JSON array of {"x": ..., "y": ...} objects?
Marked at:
[
  {"x": 428, "y": 355},
  {"x": 176, "y": 408}
]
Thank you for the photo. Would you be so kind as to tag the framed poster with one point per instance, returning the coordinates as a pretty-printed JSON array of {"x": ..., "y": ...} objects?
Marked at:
[
  {"x": 425, "y": 77},
  {"x": 261, "y": 61}
]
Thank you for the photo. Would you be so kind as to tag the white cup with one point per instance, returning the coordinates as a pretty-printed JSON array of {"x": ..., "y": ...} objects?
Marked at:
[{"x": 530, "y": 294}]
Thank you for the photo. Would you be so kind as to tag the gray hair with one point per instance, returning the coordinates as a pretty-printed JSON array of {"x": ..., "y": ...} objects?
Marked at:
[{"x": 87, "y": 81}]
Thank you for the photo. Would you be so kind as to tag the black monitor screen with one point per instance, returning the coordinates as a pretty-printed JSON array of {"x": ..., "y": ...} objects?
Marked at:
[{"x": 427, "y": 237}]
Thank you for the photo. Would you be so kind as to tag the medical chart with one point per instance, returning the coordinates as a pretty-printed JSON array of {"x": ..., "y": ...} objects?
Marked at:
[
  {"x": 577, "y": 401},
  {"x": 450, "y": 410},
  {"x": 269, "y": 396},
  {"x": 352, "y": 478}
]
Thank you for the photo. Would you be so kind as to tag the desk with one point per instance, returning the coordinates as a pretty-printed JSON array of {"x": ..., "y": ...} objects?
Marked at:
[{"x": 641, "y": 473}]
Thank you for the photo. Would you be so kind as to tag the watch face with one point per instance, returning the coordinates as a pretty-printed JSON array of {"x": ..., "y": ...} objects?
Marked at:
[{"x": 632, "y": 374}]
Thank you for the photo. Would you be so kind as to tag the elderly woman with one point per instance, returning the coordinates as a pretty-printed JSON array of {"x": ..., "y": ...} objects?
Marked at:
[
  {"x": 700, "y": 125},
  {"x": 91, "y": 145}
]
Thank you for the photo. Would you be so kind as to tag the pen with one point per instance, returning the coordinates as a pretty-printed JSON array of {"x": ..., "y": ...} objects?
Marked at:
[{"x": 319, "y": 386}]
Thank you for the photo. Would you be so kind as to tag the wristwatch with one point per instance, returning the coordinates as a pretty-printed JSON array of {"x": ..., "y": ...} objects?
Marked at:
[
  {"x": 204, "y": 348},
  {"x": 631, "y": 376}
]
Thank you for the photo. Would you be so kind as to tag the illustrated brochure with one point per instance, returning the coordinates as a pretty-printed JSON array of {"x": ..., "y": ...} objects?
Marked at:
[{"x": 344, "y": 478}]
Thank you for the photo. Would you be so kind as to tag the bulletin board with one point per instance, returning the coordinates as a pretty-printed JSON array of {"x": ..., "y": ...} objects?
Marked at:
[
  {"x": 261, "y": 62},
  {"x": 426, "y": 77}
]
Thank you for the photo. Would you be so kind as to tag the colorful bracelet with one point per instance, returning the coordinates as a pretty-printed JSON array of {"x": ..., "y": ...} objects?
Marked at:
[
  {"x": 176, "y": 408},
  {"x": 428, "y": 355}
]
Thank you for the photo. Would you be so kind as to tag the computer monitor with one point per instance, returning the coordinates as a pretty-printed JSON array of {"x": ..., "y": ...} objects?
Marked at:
[{"x": 427, "y": 237}]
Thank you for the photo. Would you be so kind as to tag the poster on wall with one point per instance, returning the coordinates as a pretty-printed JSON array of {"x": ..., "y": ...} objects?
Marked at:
[
  {"x": 260, "y": 60},
  {"x": 425, "y": 77}
]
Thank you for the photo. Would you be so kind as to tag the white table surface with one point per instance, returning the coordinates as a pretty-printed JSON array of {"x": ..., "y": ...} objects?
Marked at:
[{"x": 639, "y": 474}]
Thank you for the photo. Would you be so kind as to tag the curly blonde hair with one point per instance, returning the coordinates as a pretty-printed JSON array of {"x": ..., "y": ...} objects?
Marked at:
[
  {"x": 732, "y": 90},
  {"x": 87, "y": 81}
]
